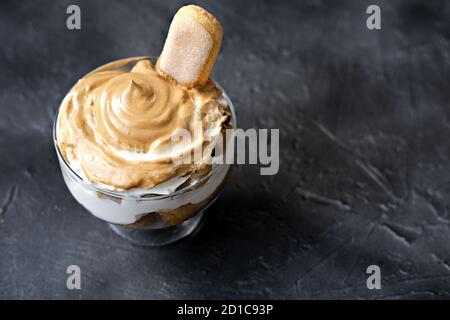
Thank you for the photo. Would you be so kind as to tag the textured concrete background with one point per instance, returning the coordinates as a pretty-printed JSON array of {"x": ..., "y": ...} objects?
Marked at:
[{"x": 364, "y": 178}]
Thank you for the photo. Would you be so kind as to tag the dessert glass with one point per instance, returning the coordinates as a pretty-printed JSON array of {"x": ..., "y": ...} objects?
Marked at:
[{"x": 141, "y": 217}]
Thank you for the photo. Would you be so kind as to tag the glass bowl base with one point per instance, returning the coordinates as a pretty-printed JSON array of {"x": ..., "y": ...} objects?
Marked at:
[{"x": 160, "y": 237}]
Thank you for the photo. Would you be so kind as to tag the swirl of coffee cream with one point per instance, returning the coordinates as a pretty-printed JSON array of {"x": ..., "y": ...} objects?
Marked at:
[{"x": 117, "y": 125}]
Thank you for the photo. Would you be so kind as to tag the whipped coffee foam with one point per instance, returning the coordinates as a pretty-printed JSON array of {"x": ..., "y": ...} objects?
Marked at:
[{"x": 115, "y": 127}]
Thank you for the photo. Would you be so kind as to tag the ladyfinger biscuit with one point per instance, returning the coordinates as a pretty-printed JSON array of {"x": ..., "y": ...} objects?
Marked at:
[{"x": 191, "y": 47}]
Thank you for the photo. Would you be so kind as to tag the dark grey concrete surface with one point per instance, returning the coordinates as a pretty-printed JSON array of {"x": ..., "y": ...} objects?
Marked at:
[{"x": 364, "y": 120}]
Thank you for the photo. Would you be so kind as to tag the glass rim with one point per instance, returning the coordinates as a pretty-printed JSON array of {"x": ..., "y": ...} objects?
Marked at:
[{"x": 125, "y": 194}]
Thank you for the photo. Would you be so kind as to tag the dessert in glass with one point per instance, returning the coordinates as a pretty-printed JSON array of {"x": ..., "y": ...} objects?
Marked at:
[{"x": 136, "y": 138}]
